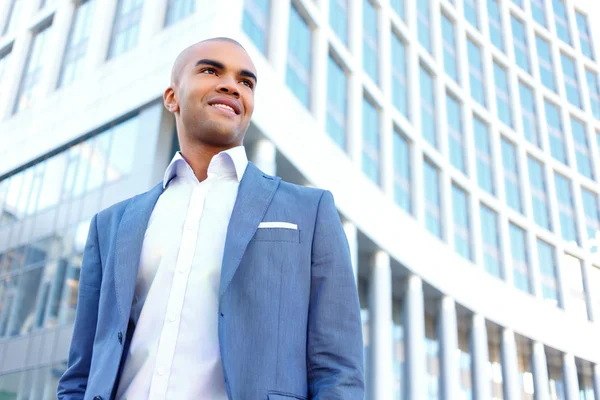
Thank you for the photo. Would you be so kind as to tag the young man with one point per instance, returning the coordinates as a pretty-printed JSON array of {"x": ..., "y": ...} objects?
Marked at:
[{"x": 221, "y": 282}]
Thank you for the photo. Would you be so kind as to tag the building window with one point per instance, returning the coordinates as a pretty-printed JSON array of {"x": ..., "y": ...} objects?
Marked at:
[
  {"x": 584, "y": 35},
  {"x": 502, "y": 95},
  {"x": 370, "y": 156},
  {"x": 470, "y": 12},
  {"x": 126, "y": 27},
  {"x": 337, "y": 102},
  {"x": 428, "y": 126},
  {"x": 465, "y": 363},
  {"x": 586, "y": 382},
  {"x": 520, "y": 43},
  {"x": 555, "y": 132},
  {"x": 520, "y": 260},
  {"x": 476, "y": 84},
  {"x": 4, "y": 58},
  {"x": 539, "y": 201},
  {"x": 338, "y": 18},
  {"x": 423, "y": 24},
  {"x": 555, "y": 375},
  {"x": 398, "y": 6},
  {"x": 255, "y": 22},
  {"x": 495, "y": 364},
  {"x": 14, "y": 15},
  {"x": 566, "y": 209},
  {"x": 483, "y": 156},
  {"x": 537, "y": 11},
  {"x": 449, "y": 43},
  {"x": 591, "y": 208},
  {"x": 402, "y": 187},
  {"x": 561, "y": 21},
  {"x": 592, "y": 82},
  {"x": 299, "y": 51},
  {"x": 455, "y": 135},
  {"x": 573, "y": 277},
  {"x": 370, "y": 60},
  {"x": 529, "y": 115},
  {"x": 511, "y": 176},
  {"x": 432, "y": 347},
  {"x": 495, "y": 24},
  {"x": 570, "y": 77},
  {"x": 29, "y": 89},
  {"x": 460, "y": 213},
  {"x": 524, "y": 366},
  {"x": 179, "y": 9},
  {"x": 433, "y": 209},
  {"x": 74, "y": 58},
  {"x": 491, "y": 244},
  {"x": 582, "y": 150},
  {"x": 398, "y": 348},
  {"x": 399, "y": 92},
  {"x": 545, "y": 61},
  {"x": 547, "y": 266}
]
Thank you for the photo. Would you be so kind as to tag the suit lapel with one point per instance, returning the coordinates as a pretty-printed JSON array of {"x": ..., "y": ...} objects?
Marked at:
[
  {"x": 130, "y": 237},
  {"x": 255, "y": 193}
]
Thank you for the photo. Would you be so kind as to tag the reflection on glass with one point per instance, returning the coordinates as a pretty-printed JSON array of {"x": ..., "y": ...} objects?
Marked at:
[
  {"x": 525, "y": 371},
  {"x": 398, "y": 350},
  {"x": 370, "y": 125},
  {"x": 433, "y": 361},
  {"x": 495, "y": 364},
  {"x": 465, "y": 364},
  {"x": 256, "y": 21},
  {"x": 297, "y": 75},
  {"x": 178, "y": 9}
]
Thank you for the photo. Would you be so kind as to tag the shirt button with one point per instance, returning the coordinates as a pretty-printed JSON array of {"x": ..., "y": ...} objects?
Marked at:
[
  {"x": 161, "y": 371},
  {"x": 172, "y": 318},
  {"x": 120, "y": 337}
]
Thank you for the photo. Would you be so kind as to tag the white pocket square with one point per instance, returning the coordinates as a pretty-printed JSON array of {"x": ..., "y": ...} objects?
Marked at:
[{"x": 284, "y": 225}]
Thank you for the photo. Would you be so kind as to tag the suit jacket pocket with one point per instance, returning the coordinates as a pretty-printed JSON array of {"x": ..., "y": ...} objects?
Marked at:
[
  {"x": 277, "y": 235},
  {"x": 285, "y": 396}
]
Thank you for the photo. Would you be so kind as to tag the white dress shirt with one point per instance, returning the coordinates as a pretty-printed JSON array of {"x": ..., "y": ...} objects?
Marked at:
[{"x": 174, "y": 351}]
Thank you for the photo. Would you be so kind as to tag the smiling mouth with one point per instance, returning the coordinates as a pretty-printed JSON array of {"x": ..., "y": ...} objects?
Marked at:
[{"x": 224, "y": 107}]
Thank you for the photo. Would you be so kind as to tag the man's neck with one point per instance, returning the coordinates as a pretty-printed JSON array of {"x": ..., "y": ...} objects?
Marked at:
[{"x": 199, "y": 156}]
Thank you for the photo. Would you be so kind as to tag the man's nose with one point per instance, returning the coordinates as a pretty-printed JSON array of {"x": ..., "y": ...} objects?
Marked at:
[{"x": 228, "y": 85}]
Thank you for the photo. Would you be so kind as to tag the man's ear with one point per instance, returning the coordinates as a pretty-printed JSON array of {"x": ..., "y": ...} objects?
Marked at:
[{"x": 169, "y": 100}]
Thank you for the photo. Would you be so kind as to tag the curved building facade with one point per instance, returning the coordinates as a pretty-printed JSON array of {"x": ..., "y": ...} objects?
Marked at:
[{"x": 460, "y": 138}]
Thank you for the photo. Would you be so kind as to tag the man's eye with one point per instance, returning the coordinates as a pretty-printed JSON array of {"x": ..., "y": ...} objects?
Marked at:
[
  {"x": 208, "y": 71},
  {"x": 248, "y": 83}
]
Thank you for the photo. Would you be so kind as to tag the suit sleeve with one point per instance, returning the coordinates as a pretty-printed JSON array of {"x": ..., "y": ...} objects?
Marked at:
[
  {"x": 73, "y": 383},
  {"x": 335, "y": 345}
]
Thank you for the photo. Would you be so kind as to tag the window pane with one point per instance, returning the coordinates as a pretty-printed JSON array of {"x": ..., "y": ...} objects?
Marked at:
[
  {"x": 122, "y": 149},
  {"x": 338, "y": 18},
  {"x": 76, "y": 50},
  {"x": 539, "y": 201},
  {"x": 591, "y": 209},
  {"x": 568, "y": 226},
  {"x": 337, "y": 100},
  {"x": 511, "y": 176},
  {"x": 370, "y": 23},
  {"x": 399, "y": 92},
  {"x": 402, "y": 186},
  {"x": 520, "y": 43},
  {"x": 179, "y": 9},
  {"x": 432, "y": 199},
  {"x": 545, "y": 61},
  {"x": 470, "y": 12},
  {"x": 573, "y": 278},
  {"x": 460, "y": 214},
  {"x": 570, "y": 76},
  {"x": 582, "y": 152},
  {"x": 423, "y": 24},
  {"x": 537, "y": 10},
  {"x": 483, "y": 156},
  {"x": 299, "y": 51},
  {"x": 560, "y": 20},
  {"x": 449, "y": 47},
  {"x": 555, "y": 132},
  {"x": 476, "y": 72},
  {"x": 490, "y": 241},
  {"x": 428, "y": 127},
  {"x": 255, "y": 22},
  {"x": 455, "y": 135},
  {"x": 518, "y": 250},
  {"x": 502, "y": 95},
  {"x": 592, "y": 82},
  {"x": 584, "y": 35},
  {"x": 529, "y": 114},
  {"x": 370, "y": 156},
  {"x": 398, "y": 6},
  {"x": 547, "y": 265},
  {"x": 126, "y": 27},
  {"x": 495, "y": 24}
]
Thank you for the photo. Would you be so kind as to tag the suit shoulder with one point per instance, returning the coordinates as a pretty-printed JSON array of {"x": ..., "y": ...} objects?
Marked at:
[
  {"x": 301, "y": 192},
  {"x": 116, "y": 210}
]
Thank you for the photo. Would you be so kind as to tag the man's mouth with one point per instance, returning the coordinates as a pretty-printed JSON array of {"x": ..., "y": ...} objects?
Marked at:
[{"x": 224, "y": 106}]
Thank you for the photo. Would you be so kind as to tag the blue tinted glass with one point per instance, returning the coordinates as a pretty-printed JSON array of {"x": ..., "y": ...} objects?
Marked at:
[
  {"x": 495, "y": 24},
  {"x": 399, "y": 95},
  {"x": 423, "y": 24},
  {"x": 511, "y": 176},
  {"x": 460, "y": 215},
  {"x": 475, "y": 72},
  {"x": 584, "y": 37},
  {"x": 470, "y": 11},
  {"x": 592, "y": 213},
  {"x": 528, "y": 112},
  {"x": 502, "y": 96},
  {"x": 428, "y": 129},
  {"x": 547, "y": 270},
  {"x": 455, "y": 133},
  {"x": 538, "y": 191},
  {"x": 483, "y": 155},
  {"x": 519, "y": 257},
  {"x": 592, "y": 83},
  {"x": 545, "y": 61},
  {"x": 401, "y": 172},
  {"x": 338, "y": 18},
  {"x": 398, "y": 6},
  {"x": 555, "y": 134},
  {"x": 178, "y": 9},
  {"x": 299, "y": 51},
  {"x": 491, "y": 243},
  {"x": 337, "y": 86},
  {"x": 370, "y": 156},
  {"x": 449, "y": 48},
  {"x": 520, "y": 44},
  {"x": 537, "y": 9},
  {"x": 570, "y": 80},
  {"x": 370, "y": 61},
  {"x": 566, "y": 212},
  {"x": 581, "y": 149},
  {"x": 432, "y": 198},
  {"x": 560, "y": 19}
]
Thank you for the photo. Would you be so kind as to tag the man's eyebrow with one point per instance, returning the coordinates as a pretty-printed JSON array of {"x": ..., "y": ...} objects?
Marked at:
[
  {"x": 248, "y": 74},
  {"x": 219, "y": 65}
]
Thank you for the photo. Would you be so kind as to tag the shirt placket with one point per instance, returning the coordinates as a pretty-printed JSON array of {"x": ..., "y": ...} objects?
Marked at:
[{"x": 168, "y": 338}]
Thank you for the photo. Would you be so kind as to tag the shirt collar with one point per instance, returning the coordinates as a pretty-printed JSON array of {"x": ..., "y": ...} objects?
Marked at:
[{"x": 231, "y": 161}]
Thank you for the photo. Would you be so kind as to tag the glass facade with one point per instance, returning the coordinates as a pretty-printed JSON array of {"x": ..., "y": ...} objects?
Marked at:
[
  {"x": 338, "y": 19},
  {"x": 460, "y": 214},
  {"x": 520, "y": 259},
  {"x": 455, "y": 133},
  {"x": 568, "y": 226},
  {"x": 529, "y": 117},
  {"x": 370, "y": 23},
  {"x": 483, "y": 156},
  {"x": 490, "y": 242},
  {"x": 126, "y": 27},
  {"x": 520, "y": 43},
  {"x": 547, "y": 265},
  {"x": 337, "y": 102},
  {"x": 512, "y": 192},
  {"x": 179, "y": 9},
  {"x": 428, "y": 126},
  {"x": 402, "y": 162},
  {"x": 545, "y": 61},
  {"x": 476, "y": 80},
  {"x": 449, "y": 42},
  {"x": 298, "y": 75},
  {"x": 539, "y": 198},
  {"x": 255, "y": 22},
  {"x": 502, "y": 94},
  {"x": 74, "y": 58},
  {"x": 370, "y": 153},
  {"x": 399, "y": 83},
  {"x": 433, "y": 209},
  {"x": 582, "y": 150}
]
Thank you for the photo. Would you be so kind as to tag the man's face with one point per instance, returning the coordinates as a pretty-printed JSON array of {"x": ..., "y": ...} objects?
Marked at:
[{"x": 214, "y": 93}]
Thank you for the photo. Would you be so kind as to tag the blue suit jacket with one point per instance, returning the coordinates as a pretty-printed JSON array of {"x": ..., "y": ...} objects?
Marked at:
[{"x": 289, "y": 317}]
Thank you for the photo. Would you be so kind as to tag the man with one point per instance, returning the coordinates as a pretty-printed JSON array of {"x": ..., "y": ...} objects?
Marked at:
[{"x": 221, "y": 282}]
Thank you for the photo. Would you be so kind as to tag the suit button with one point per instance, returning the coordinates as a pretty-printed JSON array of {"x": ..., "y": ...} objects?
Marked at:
[
  {"x": 120, "y": 337},
  {"x": 97, "y": 398}
]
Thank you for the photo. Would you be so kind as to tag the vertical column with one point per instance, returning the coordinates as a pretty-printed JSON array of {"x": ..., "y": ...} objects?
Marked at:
[
  {"x": 384, "y": 30},
  {"x": 570, "y": 373},
  {"x": 263, "y": 156},
  {"x": 352, "y": 236},
  {"x": 101, "y": 33},
  {"x": 596, "y": 379},
  {"x": 510, "y": 369},
  {"x": 355, "y": 91},
  {"x": 278, "y": 36},
  {"x": 450, "y": 373},
  {"x": 414, "y": 323},
  {"x": 480, "y": 357},
  {"x": 593, "y": 312},
  {"x": 380, "y": 327},
  {"x": 540, "y": 372}
]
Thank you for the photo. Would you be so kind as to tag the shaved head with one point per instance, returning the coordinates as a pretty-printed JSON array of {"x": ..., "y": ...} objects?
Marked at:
[{"x": 182, "y": 58}]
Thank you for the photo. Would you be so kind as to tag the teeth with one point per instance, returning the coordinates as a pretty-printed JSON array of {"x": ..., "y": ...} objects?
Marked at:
[{"x": 224, "y": 106}]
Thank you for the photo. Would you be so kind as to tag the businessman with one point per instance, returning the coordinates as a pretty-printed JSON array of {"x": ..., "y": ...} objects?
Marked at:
[{"x": 221, "y": 282}]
